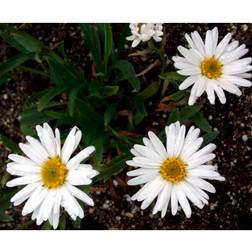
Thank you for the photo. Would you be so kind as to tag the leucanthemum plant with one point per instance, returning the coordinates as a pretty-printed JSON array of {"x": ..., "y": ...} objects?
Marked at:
[
  {"x": 50, "y": 175},
  {"x": 212, "y": 67},
  {"x": 174, "y": 174},
  {"x": 142, "y": 32}
]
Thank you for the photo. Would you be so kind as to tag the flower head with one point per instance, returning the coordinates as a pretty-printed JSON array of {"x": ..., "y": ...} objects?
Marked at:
[
  {"x": 212, "y": 66},
  {"x": 50, "y": 175},
  {"x": 144, "y": 32},
  {"x": 173, "y": 174}
]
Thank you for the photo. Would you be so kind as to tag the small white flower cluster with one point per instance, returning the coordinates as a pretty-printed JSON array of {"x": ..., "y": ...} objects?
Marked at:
[{"x": 144, "y": 32}]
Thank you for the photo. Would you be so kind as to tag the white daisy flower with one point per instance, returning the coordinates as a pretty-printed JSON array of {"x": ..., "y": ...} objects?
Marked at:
[
  {"x": 144, "y": 32},
  {"x": 51, "y": 175},
  {"x": 173, "y": 174},
  {"x": 212, "y": 66}
]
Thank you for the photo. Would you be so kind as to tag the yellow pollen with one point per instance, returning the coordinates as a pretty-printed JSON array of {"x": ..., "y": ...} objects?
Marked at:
[
  {"x": 173, "y": 169},
  {"x": 53, "y": 173},
  {"x": 211, "y": 68},
  {"x": 139, "y": 26}
]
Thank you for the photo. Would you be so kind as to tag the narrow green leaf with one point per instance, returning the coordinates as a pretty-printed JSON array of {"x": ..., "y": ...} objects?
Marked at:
[
  {"x": 5, "y": 200},
  {"x": 62, "y": 222},
  {"x": 183, "y": 114},
  {"x": 4, "y": 78},
  {"x": 46, "y": 226},
  {"x": 109, "y": 91},
  {"x": 140, "y": 112},
  {"x": 150, "y": 90},
  {"x": 21, "y": 40},
  {"x": 7, "y": 142},
  {"x": 99, "y": 149},
  {"x": 113, "y": 168},
  {"x": 209, "y": 137},
  {"x": 108, "y": 43},
  {"x": 27, "y": 41},
  {"x": 110, "y": 113},
  {"x": 92, "y": 39},
  {"x": 63, "y": 118},
  {"x": 122, "y": 39},
  {"x": 77, "y": 223},
  {"x": 129, "y": 73},
  {"x": 188, "y": 111},
  {"x": 177, "y": 95},
  {"x": 11, "y": 41},
  {"x": 173, "y": 76},
  {"x": 13, "y": 62},
  {"x": 50, "y": 94},
  {"x": 174, "y": 116},
  {"x": 201, "y": 122},
  {"x": 72, "y": 99},
  {"x": 63, "y": 73},
  {"x": 31, "y": 117}
]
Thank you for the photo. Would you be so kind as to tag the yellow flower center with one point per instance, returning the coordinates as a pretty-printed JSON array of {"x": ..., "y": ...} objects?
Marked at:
[
  {"x": 211, "y": 68},
  {"x": 173, "y": 169},
  {"x": 53, "y": 173},
  {"x": 139, "y": 26}
]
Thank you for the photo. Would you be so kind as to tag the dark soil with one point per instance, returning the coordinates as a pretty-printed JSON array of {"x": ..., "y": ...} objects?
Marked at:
[{"x": 229, "y": 208}]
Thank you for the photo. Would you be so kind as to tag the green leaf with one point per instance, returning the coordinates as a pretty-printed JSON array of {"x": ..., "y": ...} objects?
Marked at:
[
  {"x": 5, "y": 200},
  {"x": 209, "y": 137},
  {"x": 21, "y": 40},
  {"x": 77, "y": 223},
  {"x": 62, "y": 222},
  {"x": 188, "y": 111},
  {"x": 4, "y": 78},
  {"x": 46, "y": 226},
  {"x": 7, "y": 142},
  {"x": 88, "y": 111},
  {"x": 71, "y": 100},
  {"x": 108, "y": 43},
  {"x": 62, "y": 118},
  {"x": 63, "y": 73},
  {"x": 5, "y": 217},
  {"x": 177, "y": 95},
  {"x": 140, "y": 112},
  {"x": 110, "y": 113},
  {"x": 50, "y": 94},
  {"x": 61, "y": 49},
  {"x": 173, "y": 77},
  {"x": 31, "y": 117},
  {"x": 92, "y": 39},
  {"x": 99, "y": 149},
  {"x": 174, "y": 116},
  {"x": 201, "y": 122},
  {"x": 185, "y": 113},
  {"x": 129, "y": 73},
  {"x": 122, "y": 39},
  {"x": 109, "y": 91},
  {"x": 113, "y": 168},
  {"x": 13, "y": 62},
  {"x": 150, "y": 90},
  {"x": 27, "y": 41},
  {"x": 10, "y": 40}
]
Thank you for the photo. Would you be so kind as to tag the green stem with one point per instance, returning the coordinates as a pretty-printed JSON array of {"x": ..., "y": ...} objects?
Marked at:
[{"x": 31, "y": 70}]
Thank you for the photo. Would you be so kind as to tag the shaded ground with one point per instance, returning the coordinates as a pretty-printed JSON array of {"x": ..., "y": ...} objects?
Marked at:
[{"x": 229, "y": 208}]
